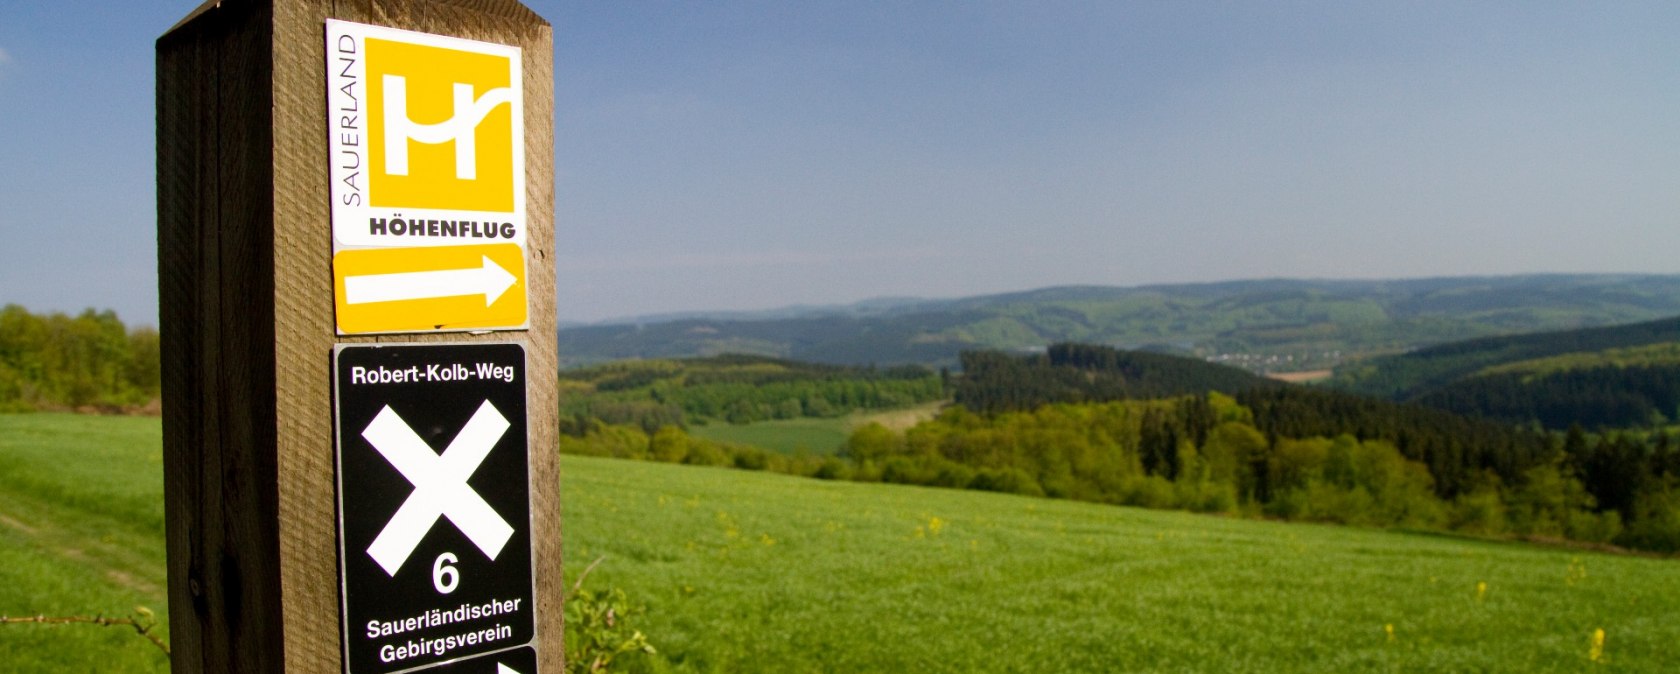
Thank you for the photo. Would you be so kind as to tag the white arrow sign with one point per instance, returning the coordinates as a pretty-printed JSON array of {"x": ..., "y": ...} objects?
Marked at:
[
  {"x": 489, "y": 280},
  {"x": 440, "y": 485},
  {"x": 504, "y": 669}
]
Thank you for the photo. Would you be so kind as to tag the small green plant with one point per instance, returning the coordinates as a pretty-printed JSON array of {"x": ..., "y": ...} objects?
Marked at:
[{"x": 598, "y": 628}]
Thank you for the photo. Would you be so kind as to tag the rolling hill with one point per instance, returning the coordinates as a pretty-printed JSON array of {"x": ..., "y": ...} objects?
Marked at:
[{"x": 1268, "y": 325}]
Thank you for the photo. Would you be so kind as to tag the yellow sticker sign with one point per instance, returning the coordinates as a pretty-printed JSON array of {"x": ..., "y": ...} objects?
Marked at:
[
  {"x": 440, "y": 128},
  {"x": 426, "y": 150},
  {"x": 430, "y": 288}
]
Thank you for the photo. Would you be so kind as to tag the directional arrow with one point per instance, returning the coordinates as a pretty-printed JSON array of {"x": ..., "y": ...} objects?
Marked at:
[
  {"x": 504, "y": 669},
  {"x": 489, "y": 280}
]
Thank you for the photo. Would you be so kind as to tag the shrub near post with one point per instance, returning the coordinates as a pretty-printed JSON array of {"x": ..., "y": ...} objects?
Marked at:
[{"x": 246, "y": 288}]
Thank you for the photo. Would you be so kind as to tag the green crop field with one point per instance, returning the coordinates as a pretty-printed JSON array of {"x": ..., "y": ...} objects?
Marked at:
[
  {"x": 788, "y": 436},
  {"x": 743, "y": 571}
]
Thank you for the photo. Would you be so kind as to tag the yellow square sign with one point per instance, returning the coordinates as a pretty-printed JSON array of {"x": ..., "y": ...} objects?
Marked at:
[
  {"x": 440, "y": 128},
  {"x": 426, "y": 150}
]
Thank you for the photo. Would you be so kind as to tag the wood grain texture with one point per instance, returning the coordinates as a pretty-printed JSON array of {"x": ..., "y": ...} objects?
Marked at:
[
  {"x": 246, "y": 306},
  {"x": 304, "y": 335},
  {"x": 215, "y": 277}
]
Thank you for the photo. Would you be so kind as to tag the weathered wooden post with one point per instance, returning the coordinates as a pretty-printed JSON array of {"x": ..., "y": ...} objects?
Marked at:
[{"x": 357, "y": 303}]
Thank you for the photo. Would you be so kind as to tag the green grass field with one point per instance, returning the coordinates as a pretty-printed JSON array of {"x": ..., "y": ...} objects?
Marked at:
[
  {"x": 787, "y": 436},
  {"x": 81, "y": 532},
  {"x": 811, "y": 435},
  {"x": 756, "y": 572}
]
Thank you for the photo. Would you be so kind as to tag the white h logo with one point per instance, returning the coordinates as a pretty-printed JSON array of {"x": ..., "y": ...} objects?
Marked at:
[
  {"x": 440, "y": 485},
  {"x": 461, "y": 128}
]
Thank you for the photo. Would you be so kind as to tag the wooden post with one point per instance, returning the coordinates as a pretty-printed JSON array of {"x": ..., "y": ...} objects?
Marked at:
[{"x": 246, "y": 293}]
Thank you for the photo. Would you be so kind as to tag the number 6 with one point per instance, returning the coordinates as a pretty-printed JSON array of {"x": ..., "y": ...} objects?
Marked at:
[{"x": 444, "y": 576}]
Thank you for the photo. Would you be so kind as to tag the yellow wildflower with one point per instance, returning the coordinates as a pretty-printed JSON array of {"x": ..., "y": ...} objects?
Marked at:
[{"x": 1577, "y": 572}]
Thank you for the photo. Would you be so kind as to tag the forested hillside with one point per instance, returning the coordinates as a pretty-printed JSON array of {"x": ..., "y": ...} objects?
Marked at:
[
  {"x": 1263, "y": 326},
  {"x": 1410, "y": 375},
  {"x": 1600, "y": 378},
  {"x": 1600, "y": 398},
  {"x": 56, "y": 361},
  {"x": 1099, "y": 424},
  {"x": 1287, "y": 451},
  {"x": 993, "y": 381},
  {"x": 1457, "y": 450}
]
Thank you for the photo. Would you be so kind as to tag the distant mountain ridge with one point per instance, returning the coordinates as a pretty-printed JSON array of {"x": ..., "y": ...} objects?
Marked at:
[
  {"x": 868, "y": 307},
  {"x": 1263, "y": 325}
]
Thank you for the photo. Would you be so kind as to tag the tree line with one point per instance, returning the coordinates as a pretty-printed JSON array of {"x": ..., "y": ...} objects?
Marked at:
[
  {"x": 1456, "y": 449},
  {"x": 1215, "y": 453},
  {"x": 1076, "y": 423},
  {"x": 55, "y": 361},
  {"x": 1206, "y": 454},
  {"x": 1410, "y": 375},
  {"x": 1604, "y": 397},
  {"x": 1615, "y": 479},
  {"x": 993, "y": 381},
  {"x": 736, "y": 389}
]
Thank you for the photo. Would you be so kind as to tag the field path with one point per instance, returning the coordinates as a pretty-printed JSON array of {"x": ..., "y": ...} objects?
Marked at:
[
  {"x": 902, "y": 419},
  {"x": 79, "y": 544}
]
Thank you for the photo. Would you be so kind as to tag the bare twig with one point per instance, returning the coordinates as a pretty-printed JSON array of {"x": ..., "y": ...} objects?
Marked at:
[
  {"x": 141, "y": 627},
  {"x": 578, "y": 586}
]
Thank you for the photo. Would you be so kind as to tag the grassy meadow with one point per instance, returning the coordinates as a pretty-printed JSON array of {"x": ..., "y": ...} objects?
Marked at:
[
  {"x": 752, "y": 572},
  {"x": 757, "y": 572},
  {"x": 81, "y": 533},
  {"x": 807, "y": 435},
  {"x": 811, "y": 435}
]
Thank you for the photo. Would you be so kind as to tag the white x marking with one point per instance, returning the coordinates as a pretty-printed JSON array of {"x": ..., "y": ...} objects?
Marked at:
[{"x": 440, "y": 485}]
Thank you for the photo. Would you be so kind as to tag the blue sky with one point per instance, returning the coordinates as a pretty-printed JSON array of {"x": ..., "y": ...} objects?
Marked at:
[{"x": 740, "y": 155}]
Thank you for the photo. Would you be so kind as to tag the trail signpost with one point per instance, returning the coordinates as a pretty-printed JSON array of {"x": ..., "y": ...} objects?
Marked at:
[
  {"x": 434, "y": 503},
  {"x": 342, "y": 187}
]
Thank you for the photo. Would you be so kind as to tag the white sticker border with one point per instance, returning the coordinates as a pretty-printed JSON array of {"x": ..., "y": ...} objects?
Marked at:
[{"x": 347, "y": 148}]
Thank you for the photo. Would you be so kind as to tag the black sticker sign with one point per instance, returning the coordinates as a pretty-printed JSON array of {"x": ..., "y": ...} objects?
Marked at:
[{"x": 434, "y": 506}]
